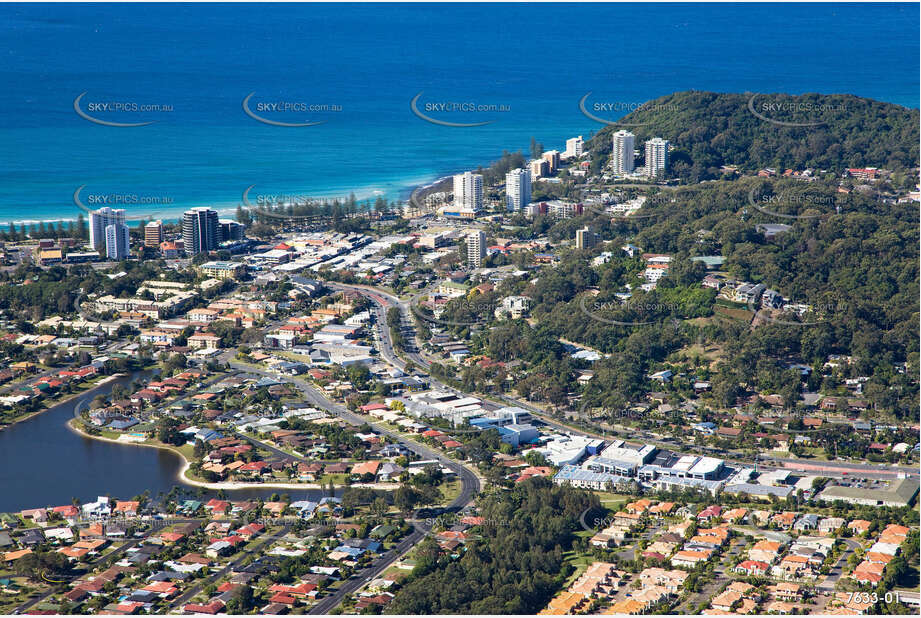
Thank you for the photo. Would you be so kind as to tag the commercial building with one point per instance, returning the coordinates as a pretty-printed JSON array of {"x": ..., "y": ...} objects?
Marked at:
[
  {"x": 222, "y": 270},
  {"x": 100, "y": 220},
  {"x": 200, "y": 231},
  {"x": 81, "y": 257},
  {"x": 622, "y": 152},
  {"x": 637, "y": 454},
  {"x": 153, "y": 234},
  {"x": 645, "y": 464},
  {"x": 586, "y": 238},
  {"x": 468, "y": 192},
  {"x": 274, "y": 256},
  {"x": 282, "y": 341},
  {"x": 899, "y": 492},
  {"x": 656, "y": 157},
  {"x": 476, "y": 248},
  {"x": 566, "y": 449},
  {"x": 517, "y": 189},
  {"x": 588, "y": 479},
  {"x": 516, "y": 435},
  {"x": 117, "y": 243},
  {"x": 50, "y": 256},
  {"x": 510, "y": 415}
]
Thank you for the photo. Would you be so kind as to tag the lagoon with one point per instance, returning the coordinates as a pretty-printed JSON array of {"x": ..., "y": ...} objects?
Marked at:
[{"x": 44, "y": 463}]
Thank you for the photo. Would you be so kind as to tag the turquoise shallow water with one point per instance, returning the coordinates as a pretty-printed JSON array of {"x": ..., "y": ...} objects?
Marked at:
[{"x": 532, "y": 62}]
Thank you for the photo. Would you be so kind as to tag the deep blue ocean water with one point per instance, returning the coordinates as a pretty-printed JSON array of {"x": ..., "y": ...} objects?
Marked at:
[{"x": 535, "y": 61}]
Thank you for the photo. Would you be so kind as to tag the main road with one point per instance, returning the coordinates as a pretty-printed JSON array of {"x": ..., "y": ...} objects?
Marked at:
[
  {"x": 383, "y": 301},
  {"x": 470, "y": 486}
]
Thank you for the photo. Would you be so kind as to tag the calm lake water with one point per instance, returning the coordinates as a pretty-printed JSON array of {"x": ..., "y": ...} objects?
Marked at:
[{"x": 43, "y": 463}]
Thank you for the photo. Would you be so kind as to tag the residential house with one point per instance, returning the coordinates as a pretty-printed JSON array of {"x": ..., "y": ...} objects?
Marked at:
[
  {"x": 829, "y": 525},
  {"x": 765, "y": 551},
  {"x": 808, "y": 521},
  {"x": 752, "y": 567},
  {"x": 690, "y": 558}
]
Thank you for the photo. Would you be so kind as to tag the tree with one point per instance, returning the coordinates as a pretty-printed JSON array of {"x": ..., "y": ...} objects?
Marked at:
[
  {"x": 406, "y": 498},
  {"x": 379, "y": 507},
  {"x": 516, "y": 559},
  {"x": 536, "y": 148},
  {"x": 168, "y": 432},
  {"x": 242, "y": 600},
  {"x": 36, "y": 564}
]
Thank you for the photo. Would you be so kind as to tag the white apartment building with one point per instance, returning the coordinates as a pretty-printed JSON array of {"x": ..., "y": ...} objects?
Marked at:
[
  {"x": 476, "y": 248},
  {"x": 622, "y": 152},
  {"x": 117, "y": 243},
  {"x": 573, "y": 148},
  {"x": 100, "y": 220},
  {"x": 468, "y": 192},
  {"x": 563, "y": 210},
  {"x": 586, "y": 238},
  {"x": 517, "y": 189},
  {"x": 656, "y": 157}
]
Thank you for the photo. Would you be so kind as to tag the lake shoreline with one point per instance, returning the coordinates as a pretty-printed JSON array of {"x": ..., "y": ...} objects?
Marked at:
[
  {"x": 227, "y": 485},
  {"x": 62, "y": 401}
]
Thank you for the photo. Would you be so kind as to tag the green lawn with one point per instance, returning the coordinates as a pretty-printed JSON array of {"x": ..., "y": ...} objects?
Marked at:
[
  {"x": 580, "y": 562},
  {"x": 613, "y": 501},
  {"x": 450, "y": 490}
]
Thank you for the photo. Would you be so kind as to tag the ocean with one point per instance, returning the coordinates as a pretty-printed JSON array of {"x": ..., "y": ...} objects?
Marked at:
[{"x": 356, "y": 68}]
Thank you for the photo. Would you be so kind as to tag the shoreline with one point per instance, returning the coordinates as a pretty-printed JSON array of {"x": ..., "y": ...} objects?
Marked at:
[
  {"x": 172, "y": 213},
  {"x": 61, "y": 402},
  {"x": 228, "y": 485}
]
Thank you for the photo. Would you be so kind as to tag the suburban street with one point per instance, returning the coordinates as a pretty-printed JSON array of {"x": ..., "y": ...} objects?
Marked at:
[
  {"x": 470, "y": 486},
  {"x": 184, "y": 598},
  {"x": 102, "y": 560}
]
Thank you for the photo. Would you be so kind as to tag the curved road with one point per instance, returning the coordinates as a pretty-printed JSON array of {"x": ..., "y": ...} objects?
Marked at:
[
  {"x": 470, "y": 486},
  {"x": 384, "y": 300}
]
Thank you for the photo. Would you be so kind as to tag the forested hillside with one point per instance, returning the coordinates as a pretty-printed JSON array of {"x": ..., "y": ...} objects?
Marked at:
[
  {"x": 713, "y": 129},
  {"x": 514, "y": 565},
  {"x": 853, "y": 258}
]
